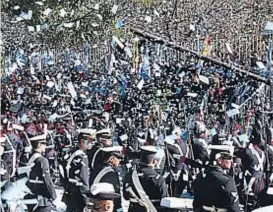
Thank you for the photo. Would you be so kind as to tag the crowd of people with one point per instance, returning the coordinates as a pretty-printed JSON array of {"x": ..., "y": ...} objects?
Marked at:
[{"x": 135, "y": 128}]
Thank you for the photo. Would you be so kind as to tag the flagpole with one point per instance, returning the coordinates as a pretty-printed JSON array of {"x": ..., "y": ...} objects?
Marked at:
[{"x": 156, "y": 39}]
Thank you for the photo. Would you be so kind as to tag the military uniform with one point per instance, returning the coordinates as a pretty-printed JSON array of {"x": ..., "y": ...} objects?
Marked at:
[
  {"x": 94, "y": 156},
  {"x": 178, "y": 171},
  {"x": 40, "y": 183},
  {"x": 200, "y": 150},
  {"x": 268, "y": 200},
  {"x": 253, "y": 160},
  {"x": 151, "y": 182},
  {"x": 77, "y": 186},
  {"x": 214, "y": 189},
  {"x": 106, "y": 173},
  {"x": 153, "y": 185}
]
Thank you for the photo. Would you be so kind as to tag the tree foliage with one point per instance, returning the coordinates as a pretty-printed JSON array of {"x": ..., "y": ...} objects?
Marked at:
[{"x": 76, "y": 21}]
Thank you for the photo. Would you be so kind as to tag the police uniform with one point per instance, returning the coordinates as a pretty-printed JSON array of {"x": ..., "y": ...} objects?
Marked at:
[
  {"x": 151, "y": 183},
  {"x": 39, "y": 181},
  {"x": 107, "y": 173},
  {"x": 77, "y": 185},
  {"x": 215, "y": 191}
]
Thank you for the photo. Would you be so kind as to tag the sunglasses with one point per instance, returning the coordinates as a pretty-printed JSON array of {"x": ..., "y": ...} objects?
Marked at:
[{"x": 44, "y": 143}]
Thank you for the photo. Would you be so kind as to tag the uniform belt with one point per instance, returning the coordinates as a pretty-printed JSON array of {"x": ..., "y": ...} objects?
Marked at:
[
  {"x": 78, "y": 183},
  {"x": 36, "y": 181},
  {"x": 214, "y": 209}
]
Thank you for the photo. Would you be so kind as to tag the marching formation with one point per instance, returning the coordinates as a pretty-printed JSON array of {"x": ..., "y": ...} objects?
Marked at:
[{"x": 141, "y": 135}]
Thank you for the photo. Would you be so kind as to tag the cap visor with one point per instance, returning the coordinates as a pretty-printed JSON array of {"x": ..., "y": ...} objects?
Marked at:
[{"x": 106, "y": 196}]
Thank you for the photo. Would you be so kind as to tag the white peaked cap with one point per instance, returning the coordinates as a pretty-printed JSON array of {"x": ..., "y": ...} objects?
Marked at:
[
  {"x": 38, "y": 137},
  {"x": 112, "y": 149},
  {"x": 228, "y": 148},
  {"x": 87, "y": 131},
  {"x": 102, "y": 188},
  {"x": 103, "y": 131}
]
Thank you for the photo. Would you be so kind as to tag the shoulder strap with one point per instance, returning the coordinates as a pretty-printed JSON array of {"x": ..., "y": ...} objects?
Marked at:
[
  {"x": 188, "y": 150},
  {"x": 141, "y": 191},
  {"x": 260, "y": 159},
  {"x": 33, "y": 158},
  {"x": 75, "y": 154},
  {"x": 235, "y": 140},
  {"x": 94, "y": 157},
  {"x": 30, "y": 164},
  {"x": 102, "y": 173}
]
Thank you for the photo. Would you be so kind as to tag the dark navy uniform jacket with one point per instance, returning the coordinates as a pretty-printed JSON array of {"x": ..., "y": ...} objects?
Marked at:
[
  {"x": 40, "y": 182},
  {"x": 214, "y": 188},
  {"x": 111, "y": 177},
  {"x": 153, "y": 184},
  {"x": 78, "y": 180}
]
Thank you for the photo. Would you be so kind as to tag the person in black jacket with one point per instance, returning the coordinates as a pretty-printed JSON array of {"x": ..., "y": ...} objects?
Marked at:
[
  {"x": 103, "y": 139},
  {"x": 152, "y": 183},
  {"x": 39, "y": 181},
  {"x": 214, "y": 190},
  {"x": 76, "y": 181},
  {"x": 179, "y": 172},
  {"x": 107, "y": 171},
  {"x": 102, "y": 198},
  {"x": 254, "y": 162}
]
